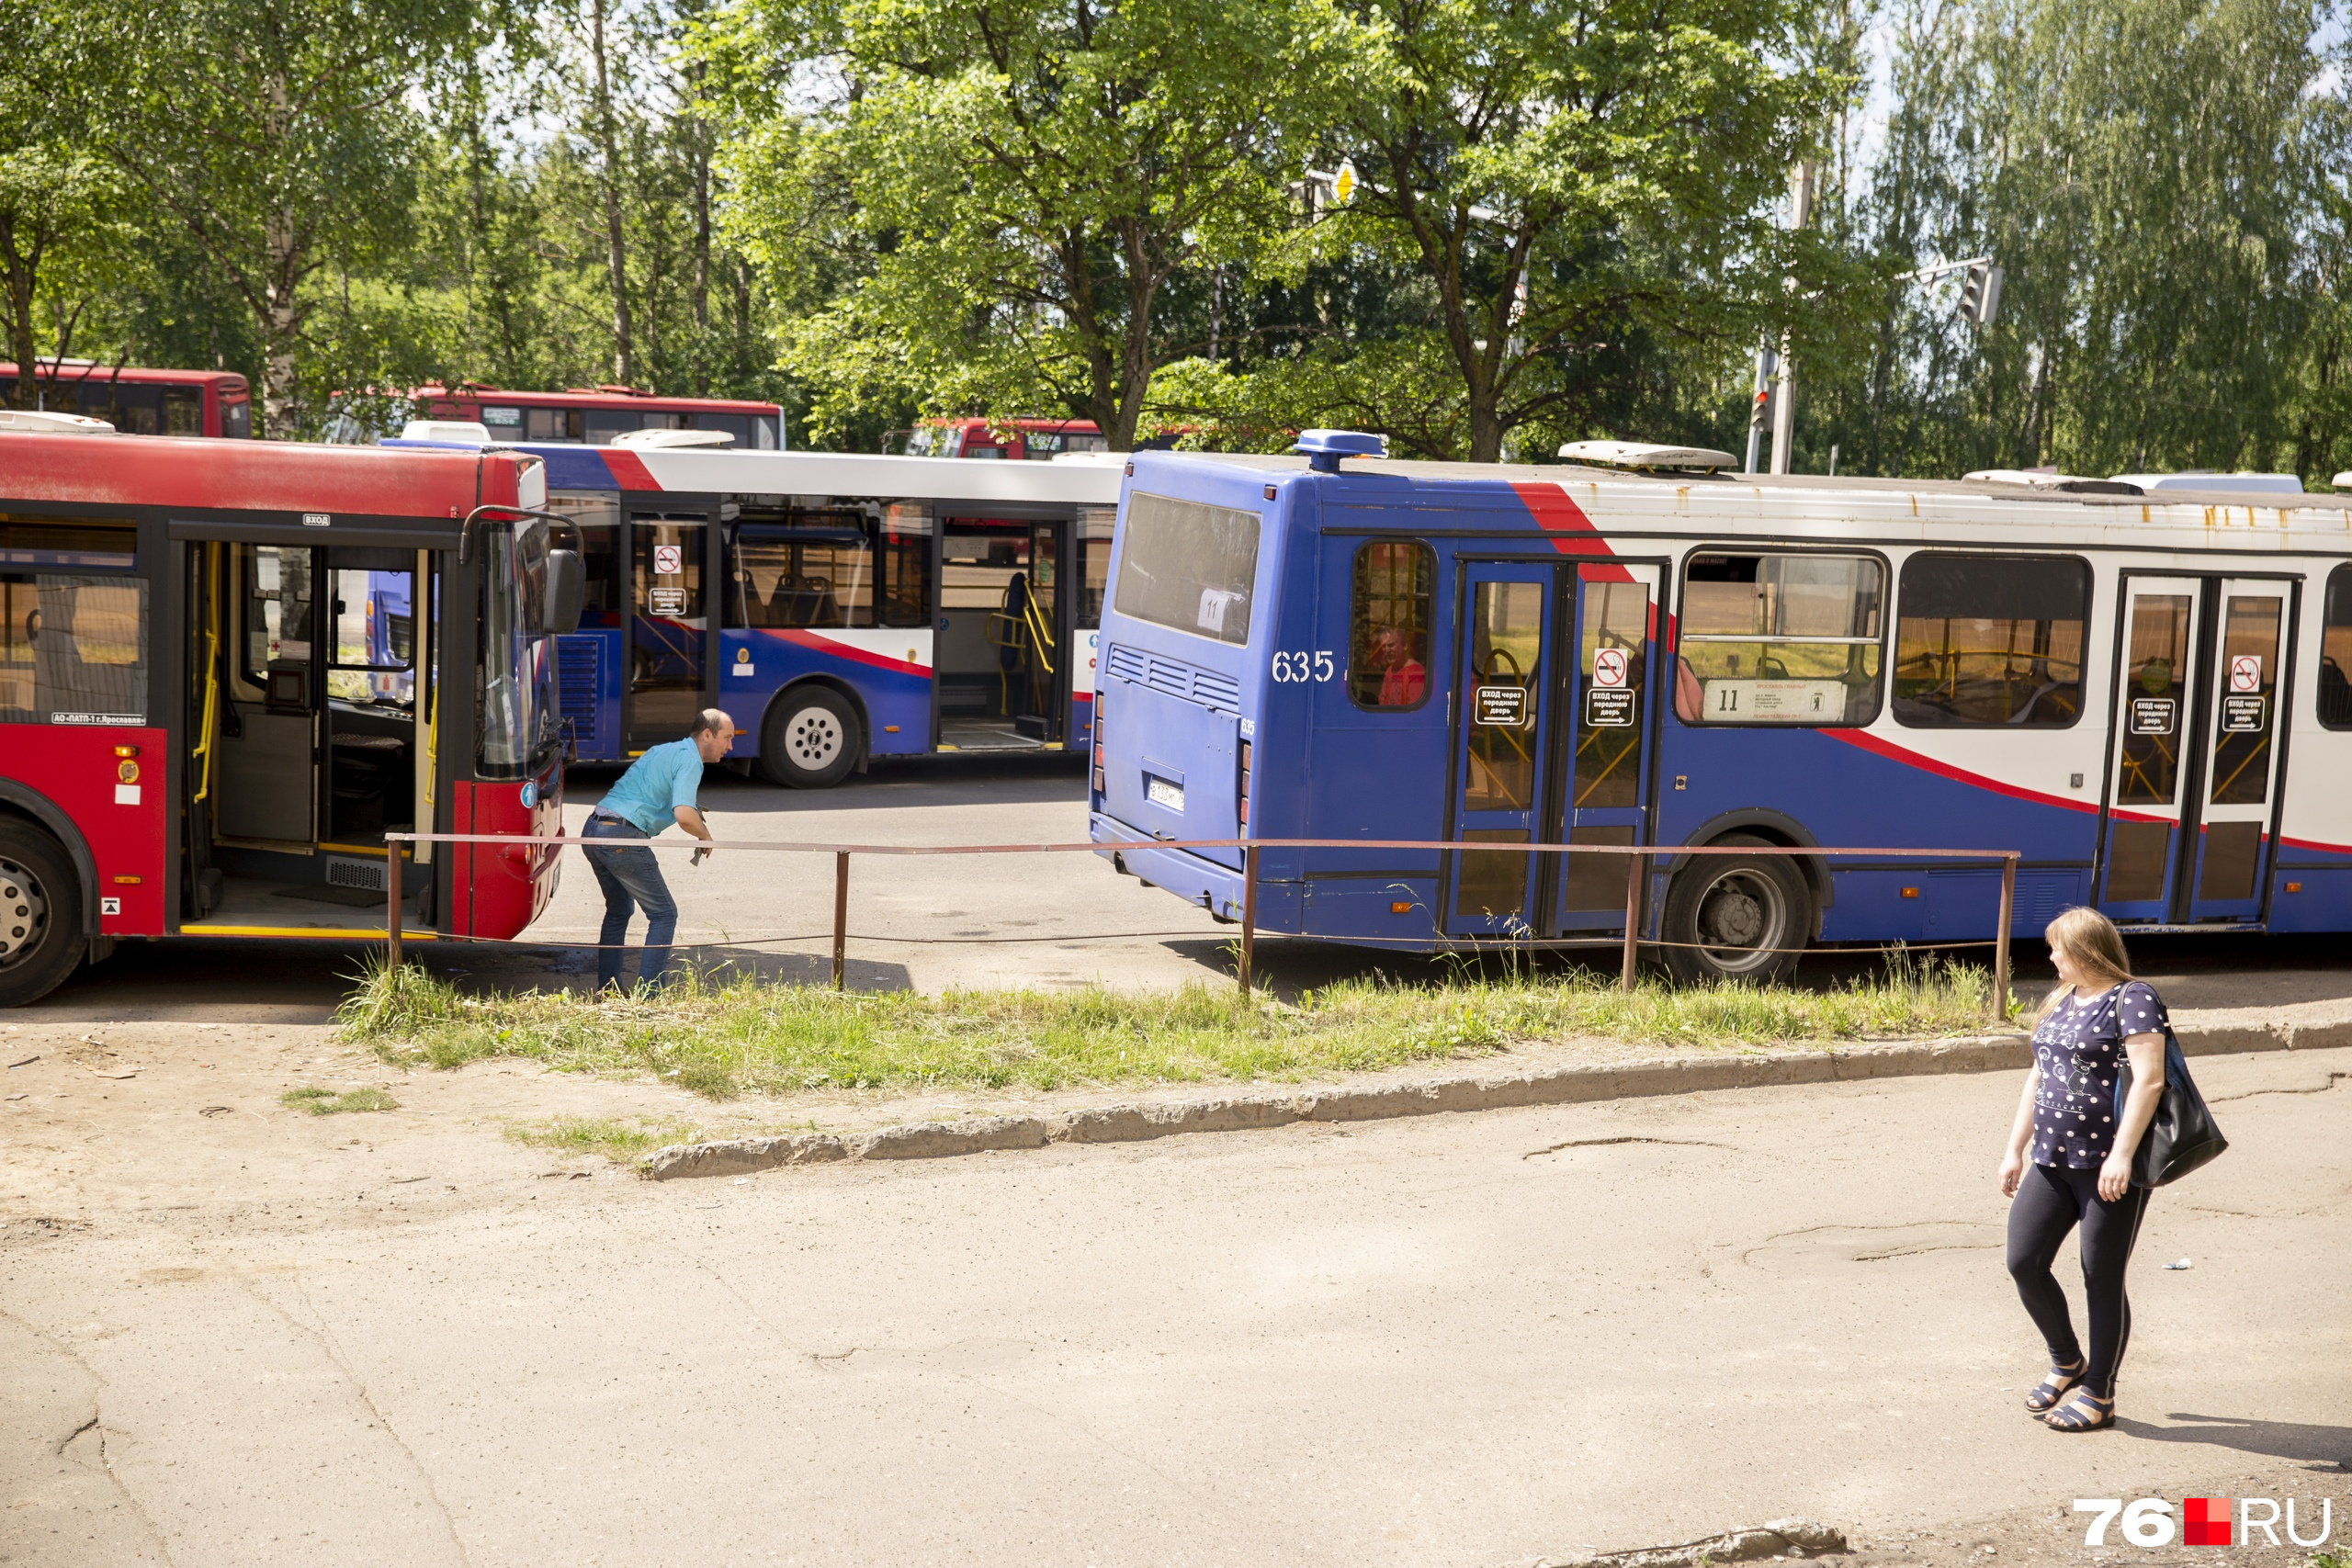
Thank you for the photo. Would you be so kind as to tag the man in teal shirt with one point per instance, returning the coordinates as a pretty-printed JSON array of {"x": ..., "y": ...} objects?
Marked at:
[{"x": 658, "y": 789}]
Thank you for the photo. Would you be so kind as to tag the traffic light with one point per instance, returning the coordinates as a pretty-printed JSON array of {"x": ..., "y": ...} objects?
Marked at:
[{"x": 1980, "y": 294}]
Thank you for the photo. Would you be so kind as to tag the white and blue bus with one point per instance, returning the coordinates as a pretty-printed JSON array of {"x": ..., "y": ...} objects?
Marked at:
[
  {"x": 840, "y": 607},
  {"x": 2144, "y": 695}
]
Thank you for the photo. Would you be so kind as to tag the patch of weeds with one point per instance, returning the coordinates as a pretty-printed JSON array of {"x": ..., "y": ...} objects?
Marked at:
[
  {"x": 723, "y": 1039},
  {"x": 617, "y": 1139},
  {"x": 326, "y": 1102}
]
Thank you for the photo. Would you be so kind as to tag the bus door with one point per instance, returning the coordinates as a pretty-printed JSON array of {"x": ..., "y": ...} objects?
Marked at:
[
  {"x": 670, "y": 654},
  {"x": 1501, "y": 758},
  {"x": 1045, "y": 637},
  {"x": 264, "y": 791},
  {"x": 1606, "y": 717},
  {"x": 2193, "y": 777},
  {"x": 1089, "y": 578}
]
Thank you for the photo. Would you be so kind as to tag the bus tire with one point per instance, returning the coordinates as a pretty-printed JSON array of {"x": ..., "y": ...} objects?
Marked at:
[
  {"x": 811, "y": 740},
  {"x": 40, "y": 912},
  {"x": 1725, "y": 913}
]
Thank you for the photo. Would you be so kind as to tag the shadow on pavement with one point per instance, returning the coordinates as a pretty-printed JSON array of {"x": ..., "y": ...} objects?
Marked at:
[{"x": 2303, "y": 1441}]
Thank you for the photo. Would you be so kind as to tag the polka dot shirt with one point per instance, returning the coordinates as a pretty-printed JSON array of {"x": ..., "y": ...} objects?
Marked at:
[{"x": 2078, "y": 1048}]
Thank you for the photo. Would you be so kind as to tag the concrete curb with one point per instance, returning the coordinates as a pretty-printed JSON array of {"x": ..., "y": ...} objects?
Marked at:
[{"x": 1552, "y": 1086}]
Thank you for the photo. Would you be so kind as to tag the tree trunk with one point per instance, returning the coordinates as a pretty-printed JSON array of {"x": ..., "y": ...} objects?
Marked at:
[
  {"x": 281, "y": 320},
  {"x": 608, "y": 148},
  {"x": 23, "y": 269}
]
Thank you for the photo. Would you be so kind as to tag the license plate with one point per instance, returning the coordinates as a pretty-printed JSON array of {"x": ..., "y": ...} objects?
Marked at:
[{"x": 1162, "y": 792}]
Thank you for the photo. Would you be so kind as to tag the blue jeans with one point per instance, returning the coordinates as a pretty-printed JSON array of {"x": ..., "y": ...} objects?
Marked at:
[{"x": 631, "y": 878}]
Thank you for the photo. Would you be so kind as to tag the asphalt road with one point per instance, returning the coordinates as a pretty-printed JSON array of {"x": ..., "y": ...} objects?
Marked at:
[
  {"x": 1453, "y": 1340},
  {"x": 1072, "y": 918}
]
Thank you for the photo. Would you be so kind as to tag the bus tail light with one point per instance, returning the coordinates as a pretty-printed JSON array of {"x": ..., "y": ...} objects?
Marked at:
[
  {"x": 1098, "y": 744},
  {"x": 1245, "y": 785}
]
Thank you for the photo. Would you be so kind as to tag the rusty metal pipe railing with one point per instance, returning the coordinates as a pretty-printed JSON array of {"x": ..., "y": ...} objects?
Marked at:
[{"x": 1639, "y": 858}]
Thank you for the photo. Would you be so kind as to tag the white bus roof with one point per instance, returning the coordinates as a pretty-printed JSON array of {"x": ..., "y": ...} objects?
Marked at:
[{"x": 712, "y": 471}]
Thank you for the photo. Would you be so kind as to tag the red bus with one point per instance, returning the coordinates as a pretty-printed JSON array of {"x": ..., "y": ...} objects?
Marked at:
[
  {"x": 593, "y": 415},
  {"x": 226, "y": 670},
  {"x": 141, "y": 402},
  {"x": 1036, "y": 439}
]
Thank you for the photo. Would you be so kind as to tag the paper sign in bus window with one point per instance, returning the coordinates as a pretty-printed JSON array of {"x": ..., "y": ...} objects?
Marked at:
[
  {"x": 668, "y": 601},
  {"x": 2151, "y": 716},
  {"x": 1214, "y": 603},
  {"x": 2244, "y": 716},
  {"x": 1608, "y": 709},
  {"x": 1502, "y": 707},
  {"x": 668, "y": 560},
  {"x": 1776, "y": 701}
]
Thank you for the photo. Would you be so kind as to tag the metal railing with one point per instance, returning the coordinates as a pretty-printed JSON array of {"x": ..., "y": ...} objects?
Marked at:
[{"x": 1639, "y": 856}]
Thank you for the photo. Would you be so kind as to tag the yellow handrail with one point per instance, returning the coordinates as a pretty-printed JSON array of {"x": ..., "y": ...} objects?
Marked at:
[{"x": 211, "y": 668}]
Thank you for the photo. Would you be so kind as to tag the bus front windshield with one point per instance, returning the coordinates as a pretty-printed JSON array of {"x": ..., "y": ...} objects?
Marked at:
[{"x": 514, "y": 682}]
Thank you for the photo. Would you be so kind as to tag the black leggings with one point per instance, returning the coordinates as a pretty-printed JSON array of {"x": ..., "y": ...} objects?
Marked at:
[{"x": 2052, "y": 1200}]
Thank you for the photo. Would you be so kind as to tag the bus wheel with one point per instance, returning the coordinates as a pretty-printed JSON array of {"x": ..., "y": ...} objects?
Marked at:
[
  {"x": 812, "y": 739},
  {"x": 1736, "y": 917},
  {"x": 40, "y": 913}
]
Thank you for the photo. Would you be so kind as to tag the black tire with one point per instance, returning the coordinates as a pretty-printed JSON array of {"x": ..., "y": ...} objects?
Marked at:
[
  {"x": 1724, "y": 912},
  {"x": 811, "y": 739},
  {"x": 40, "y": 913}
]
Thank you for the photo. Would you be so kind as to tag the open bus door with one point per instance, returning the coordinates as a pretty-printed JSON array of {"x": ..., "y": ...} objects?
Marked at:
[
  {"x": 305, "y": 741},
  {"x": 1608, "y": 708},
  {"x": 2193, "y": 771},
  {"x": 1501, "y": 767}
]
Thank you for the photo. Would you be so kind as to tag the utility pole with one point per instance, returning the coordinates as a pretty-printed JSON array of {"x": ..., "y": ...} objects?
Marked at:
[{"x": 1784, "y": 409}]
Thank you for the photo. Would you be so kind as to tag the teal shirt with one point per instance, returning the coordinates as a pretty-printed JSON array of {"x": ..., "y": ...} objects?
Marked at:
[{"x": 656, "y": 785}]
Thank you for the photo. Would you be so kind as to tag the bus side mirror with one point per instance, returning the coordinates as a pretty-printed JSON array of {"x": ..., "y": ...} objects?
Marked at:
[{"x": 567, "y": 586}]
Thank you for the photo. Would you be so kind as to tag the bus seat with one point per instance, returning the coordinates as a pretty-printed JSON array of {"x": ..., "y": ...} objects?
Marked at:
[{"x": 1690, "y": 697}]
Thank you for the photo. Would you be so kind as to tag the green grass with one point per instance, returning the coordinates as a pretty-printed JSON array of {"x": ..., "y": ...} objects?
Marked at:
[
  {"x": 326, "y": 1102},
  {"x": 617, "y": 1138},
  {"x": 746, "y": 1036}
]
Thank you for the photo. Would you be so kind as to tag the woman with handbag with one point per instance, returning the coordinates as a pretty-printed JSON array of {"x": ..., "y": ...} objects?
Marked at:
[{"x": 2069, "y": 1161}]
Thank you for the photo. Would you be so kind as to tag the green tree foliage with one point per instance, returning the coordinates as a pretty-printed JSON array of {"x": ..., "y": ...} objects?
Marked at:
[
  {"x": 2161, "y": 181},
  {"x": 1013, "y": 185}
]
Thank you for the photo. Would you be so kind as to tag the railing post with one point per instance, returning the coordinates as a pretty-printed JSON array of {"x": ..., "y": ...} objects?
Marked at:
[
  {"x": 391, "y": 905},
  {"x": 2001, "y": 939},
  {"x": 841, "y": 918},
  {"x": 1633, "y": 863},
  {"x": 1249, "y": 912}
]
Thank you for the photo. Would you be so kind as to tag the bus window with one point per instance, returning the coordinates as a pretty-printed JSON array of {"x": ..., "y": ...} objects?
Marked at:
[
  {"x": 555, "y": 425},
  {"x": 505, "y": 423},
  {"x": 735, "y": 424},
  {"x": 597, "y": 514},
  {"x": 1779, "y": 639},
  {"x": 602, "y": 424},
  {"x": 1990, "y": 641},
  {"x": 764, "y": 429},
  {"x": 1189, "y": 566},
  {"x": 1389, "y": 625},
  {"x": 183, "y": 411},
  {"x": 2155, "y": 667},
  {"x": 2335, "y": 652},
  {"x": 73, "y": 650},
  {"x": 278, "y": 609},
  {"x": 802, "y": 569},
  {"x": 512, "y": 689},
  {"x": 906, "y": 566},
  {"x": 373, "y": 644},
  {"x": 237, "y": 418},
  {"x": 1094, "y": 526}
]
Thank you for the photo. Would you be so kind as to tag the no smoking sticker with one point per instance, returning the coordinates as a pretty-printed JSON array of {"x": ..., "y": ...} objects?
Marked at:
[
  {"x": 1609, "y": 667},
  {"x": 668, "y": 560},
  {"x": 2246, "y": 672}
]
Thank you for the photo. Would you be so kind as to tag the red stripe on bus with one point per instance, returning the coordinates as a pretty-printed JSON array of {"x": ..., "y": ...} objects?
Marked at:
[
  {"x": 1556, "y": 513},
  {"x": 826, "y": 645},
  {"x": 1910, "y": 758},
  {"x": 628, "y": 469}
]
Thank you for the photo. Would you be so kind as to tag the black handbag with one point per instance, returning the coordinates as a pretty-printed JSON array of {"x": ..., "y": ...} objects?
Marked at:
[{"x": 2181, "y": 1136}]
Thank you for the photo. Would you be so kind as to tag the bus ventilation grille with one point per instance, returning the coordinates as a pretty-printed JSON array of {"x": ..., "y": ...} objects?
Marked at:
[
  {"x": 362, "y": 874},
  {"x": 1176, "y": 678},
  {"x": 578, "y": 665}
]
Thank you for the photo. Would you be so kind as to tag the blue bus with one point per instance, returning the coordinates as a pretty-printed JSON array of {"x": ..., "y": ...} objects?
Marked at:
[
  {"x": 2143, "y": 694},
  {"x": 839, "y": 607}
]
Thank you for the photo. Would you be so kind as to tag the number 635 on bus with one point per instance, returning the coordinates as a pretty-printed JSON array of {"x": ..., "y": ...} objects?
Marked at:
[{"x": 1316, "y": 666}]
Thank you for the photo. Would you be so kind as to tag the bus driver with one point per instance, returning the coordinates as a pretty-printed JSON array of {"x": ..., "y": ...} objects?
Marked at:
[{"x": 658, "y": 789}]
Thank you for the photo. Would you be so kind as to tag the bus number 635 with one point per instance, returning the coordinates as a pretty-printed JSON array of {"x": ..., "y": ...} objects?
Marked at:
[{"x": 1304, "y": 667}]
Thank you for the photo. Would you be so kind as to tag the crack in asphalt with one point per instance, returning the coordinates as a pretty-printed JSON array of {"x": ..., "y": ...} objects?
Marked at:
[
  {"x": 2333, "y": 1080},
  {"x": 325, "y": 1339},
  {"x": 1609, "y": 1143},
  {"x": 105, "y": 1461},
  {"x": 1748, "y": 1256}
]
